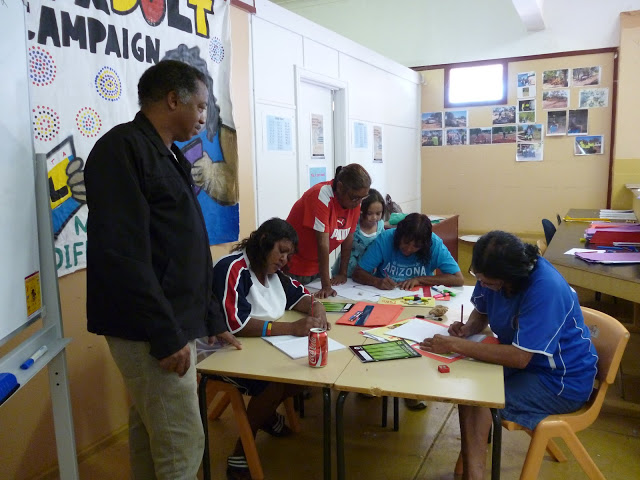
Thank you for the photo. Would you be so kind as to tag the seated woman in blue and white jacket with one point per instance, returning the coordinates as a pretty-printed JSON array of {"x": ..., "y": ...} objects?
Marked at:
[{"x": 254, "y": 293}]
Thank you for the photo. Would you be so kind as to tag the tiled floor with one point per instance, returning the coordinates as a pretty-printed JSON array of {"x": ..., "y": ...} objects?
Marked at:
[{"x": 425, "y": 447}]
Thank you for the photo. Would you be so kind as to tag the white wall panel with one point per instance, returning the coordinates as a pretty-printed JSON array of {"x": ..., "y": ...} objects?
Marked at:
[
  {"x": 321, "y": 59},
  {"x": 275, "y": 52},
  {"x": 379, "y": 96}
]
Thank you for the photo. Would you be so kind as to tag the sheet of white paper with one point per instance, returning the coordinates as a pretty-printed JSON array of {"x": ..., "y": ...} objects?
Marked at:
[
  {"x": 350, "y": 290},
  {"x": 395, "y": 293},
  {"x": 573, "y": 251},
  {"x": 297, "y": 347},
  {"x": 417, "y": 330}
]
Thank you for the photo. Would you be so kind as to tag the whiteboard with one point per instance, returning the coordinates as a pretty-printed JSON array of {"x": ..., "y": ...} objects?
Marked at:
[{"x": 19, "y": 233}]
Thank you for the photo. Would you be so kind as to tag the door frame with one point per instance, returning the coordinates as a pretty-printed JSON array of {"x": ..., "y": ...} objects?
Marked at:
[{"x": 340, "y": 115}]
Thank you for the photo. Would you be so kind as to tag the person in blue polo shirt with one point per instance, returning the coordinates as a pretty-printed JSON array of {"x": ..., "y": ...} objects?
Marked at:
[
  {"x": 544, "y": 345},
  {"x": 407, "y": 257}
]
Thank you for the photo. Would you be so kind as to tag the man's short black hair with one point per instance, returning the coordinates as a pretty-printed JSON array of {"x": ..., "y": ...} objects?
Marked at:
[{"x": 168, "y": 76}]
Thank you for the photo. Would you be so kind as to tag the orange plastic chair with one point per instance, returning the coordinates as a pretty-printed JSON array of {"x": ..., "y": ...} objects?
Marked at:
[
  {"x": 610, "y": 338},
  {"x": 231, "y": 395}
]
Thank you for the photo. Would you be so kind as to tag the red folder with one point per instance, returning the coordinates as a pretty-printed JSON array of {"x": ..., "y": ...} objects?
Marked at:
[{"x": 380, "y": 316}]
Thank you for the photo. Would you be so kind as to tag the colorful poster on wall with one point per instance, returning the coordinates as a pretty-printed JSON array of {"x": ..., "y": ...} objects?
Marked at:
[
  {"x": 480, "y": 136},
  {"x": 431, "y": 138},
  {"x": 552, "y": 99},
  {"x": 278, "y": 134},
  {"x": 556, "y": 122},
  {"x": 317, "y": 175},
  {"x": 317, "y": 136},
  {"x": 526, "y": 84},
  {"x": 360, "y": 137},
  {"x": 377, "y": 144},
  {"x": 502, "y": 115},
  {"x": 432, "y": 121},
  {"x": 455, "y": 119},
  {"x": 588, "y": 145},
  {"x": 578, "y": 122},
  {"x": 594, "y": 98},
  {"x": 85, "y": 60},
  {"x": 555, "y": 78},
  {"x": 585, "y": 76},
  {"x": 456, "y": 136},
  {"x": 505, "y": 134},
  {"x": 529, "y": 152}
]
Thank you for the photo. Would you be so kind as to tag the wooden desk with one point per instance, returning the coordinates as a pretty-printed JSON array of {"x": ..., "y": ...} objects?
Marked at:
[
  {"x": 469, "y": 382},
  {"x": 261, "y": 360},
  {"x": 622, "y": 281}
]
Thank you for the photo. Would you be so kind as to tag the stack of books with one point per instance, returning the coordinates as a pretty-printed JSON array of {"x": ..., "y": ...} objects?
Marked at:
[
  {"x": 625, "y": 215},
  {"x": 619, "y": 235}
]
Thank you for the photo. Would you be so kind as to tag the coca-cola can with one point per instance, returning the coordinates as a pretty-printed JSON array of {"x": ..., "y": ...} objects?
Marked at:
[{"x": 318, "y": 347}]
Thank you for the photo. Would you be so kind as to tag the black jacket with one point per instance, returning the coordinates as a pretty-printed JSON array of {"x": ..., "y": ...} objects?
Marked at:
[{"x": 149, "y": 271}]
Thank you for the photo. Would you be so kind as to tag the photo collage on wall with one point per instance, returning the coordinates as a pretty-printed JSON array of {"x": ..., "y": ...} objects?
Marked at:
[
  {"x": 524, "y": 123},
  {"x": 558, "y": 86}
]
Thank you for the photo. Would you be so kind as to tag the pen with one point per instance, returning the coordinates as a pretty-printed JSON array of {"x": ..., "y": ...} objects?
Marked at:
[
  {"x": 461, "y": 315},
  {"x": 32, "y": 359},
  {"x": 441, "y": 292},
  {"x": 446, "y": 290}
]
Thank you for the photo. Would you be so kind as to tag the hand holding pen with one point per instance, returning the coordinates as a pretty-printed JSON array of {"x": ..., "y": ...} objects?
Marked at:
[
  {"x": 386, "y": 283},
  {"x": 457, "y": 328}
]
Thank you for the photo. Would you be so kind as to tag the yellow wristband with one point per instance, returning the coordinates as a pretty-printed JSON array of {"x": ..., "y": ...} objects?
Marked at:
[{"x": 269, "y": 325}]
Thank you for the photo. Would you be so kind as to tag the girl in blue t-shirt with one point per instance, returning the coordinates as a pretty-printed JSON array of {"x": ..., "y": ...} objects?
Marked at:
[
  {"x": 544, "y": 345},
  {"x": 370, "y": 225}
]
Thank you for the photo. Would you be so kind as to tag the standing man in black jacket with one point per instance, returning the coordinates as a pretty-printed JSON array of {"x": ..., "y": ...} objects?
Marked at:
[{"x": 149, "y": 270}]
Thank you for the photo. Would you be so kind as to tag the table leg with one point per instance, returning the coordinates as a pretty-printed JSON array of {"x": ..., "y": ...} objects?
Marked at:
[
  {"x": 384, "y": 411},
  {"x": 326, "y": 397},
  {"x": 202, "y": 400},
  {"x": 396, "y": 414},
  {"x": 340, "y": 434},
  {"x": 496, "y": 451}
]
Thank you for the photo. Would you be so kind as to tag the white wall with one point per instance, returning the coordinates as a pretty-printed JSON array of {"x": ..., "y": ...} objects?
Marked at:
[
  {"x": 421, "y": 32},
  {"x": 379, "y": 92}
]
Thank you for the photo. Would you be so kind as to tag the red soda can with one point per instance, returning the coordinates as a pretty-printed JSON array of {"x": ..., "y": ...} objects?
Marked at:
[{"x": 318, "y": 347}]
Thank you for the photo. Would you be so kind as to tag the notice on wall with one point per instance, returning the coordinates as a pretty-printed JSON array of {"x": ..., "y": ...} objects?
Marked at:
[
  {"x": 317, "y": 175},
  {"x": 317, "y": 136},
  {"x": 360, "y": 139},
  {"x": 377, "y": 144},
  {"x": 278, "y": 134}
]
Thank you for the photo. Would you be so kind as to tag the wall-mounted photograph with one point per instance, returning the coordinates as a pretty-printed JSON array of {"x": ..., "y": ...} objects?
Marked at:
[
  {"x": 530, "y": 133},
  {"x": 480, "y": 136},
  {"x": 526, "y": 117},
  {"x": 456, "y": 136},
  {"x": 529, "y": 152},
  {"x": 432, "y": 121},
  {"x": 594, "y": 98},
  {"x": 455, "y": 119},
  {"x": 589, "y": 145},
  {"x": 526, "y": 79},
  {"x": 431, "y": 138},
  {"x": 505, "y": 134},
  {"x": 581, "y": 77},
  {"x": 503, "y": 115},
  {"x": 555, "y": 99},
  {"x": 555, "y": 78},
  {"x": 527, "y": 105},
  {"x": 557, "y": 122},
  {"x": 578, "y": 120},
  {"x": 525, "y": 92}
]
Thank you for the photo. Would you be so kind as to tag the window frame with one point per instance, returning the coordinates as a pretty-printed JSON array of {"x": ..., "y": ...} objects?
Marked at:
[{"x": 505, "y": 87}]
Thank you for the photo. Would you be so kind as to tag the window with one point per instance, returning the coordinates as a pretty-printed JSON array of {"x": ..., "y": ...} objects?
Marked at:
[{"x": 478, "y": 84}]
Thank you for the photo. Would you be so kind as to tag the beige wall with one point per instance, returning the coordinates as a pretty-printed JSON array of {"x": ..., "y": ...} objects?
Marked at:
[
  {"x": 490, "y": 190},
  {"x": 99, "y": 400},
  {"x": 626, "y": 164}
]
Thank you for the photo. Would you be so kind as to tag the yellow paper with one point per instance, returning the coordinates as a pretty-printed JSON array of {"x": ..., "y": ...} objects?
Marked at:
[
  {"x": 32, "y": 293},
  {"x": 428, "y": 302}
]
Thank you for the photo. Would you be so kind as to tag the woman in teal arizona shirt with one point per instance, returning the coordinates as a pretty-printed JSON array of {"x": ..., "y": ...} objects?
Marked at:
[{"x": 407, "y": 257}]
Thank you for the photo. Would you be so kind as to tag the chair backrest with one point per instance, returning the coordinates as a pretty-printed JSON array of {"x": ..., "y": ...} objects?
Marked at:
[
  {"x": 610, "y": 338},
  {"x": 549, "y": 229}
]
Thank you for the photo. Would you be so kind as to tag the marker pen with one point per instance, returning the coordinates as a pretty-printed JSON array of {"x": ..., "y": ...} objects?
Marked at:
[{"x": 32, "y": 359}]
